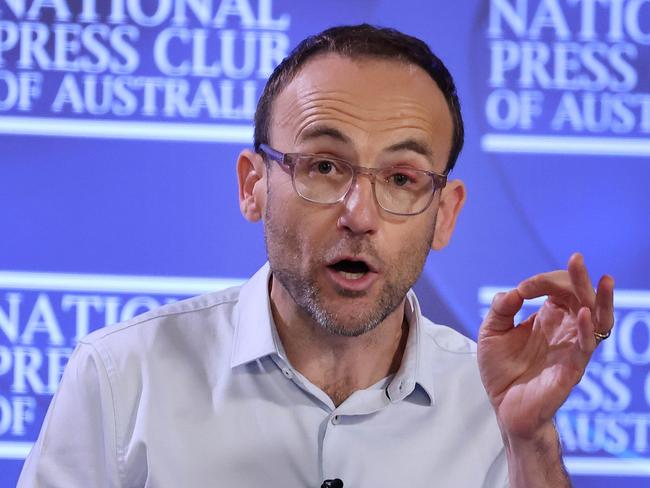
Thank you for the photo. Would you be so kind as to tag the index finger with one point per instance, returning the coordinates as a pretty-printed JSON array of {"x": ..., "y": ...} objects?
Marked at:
[{"x": 552, "y": 283}]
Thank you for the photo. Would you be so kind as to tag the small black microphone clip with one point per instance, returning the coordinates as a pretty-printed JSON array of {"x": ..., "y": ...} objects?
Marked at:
[{"x": 335, "y": 483}]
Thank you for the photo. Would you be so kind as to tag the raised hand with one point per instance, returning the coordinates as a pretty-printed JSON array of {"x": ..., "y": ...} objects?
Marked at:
[{"x": 529, "y": 369}]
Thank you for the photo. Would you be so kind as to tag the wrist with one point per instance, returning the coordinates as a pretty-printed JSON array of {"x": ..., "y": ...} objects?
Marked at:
[
  {"x": 535, "y": 460},
  {"x": 544, "y": 437}
]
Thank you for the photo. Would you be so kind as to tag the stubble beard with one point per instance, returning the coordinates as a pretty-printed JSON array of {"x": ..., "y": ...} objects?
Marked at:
[{"x": 287, "y": 262}]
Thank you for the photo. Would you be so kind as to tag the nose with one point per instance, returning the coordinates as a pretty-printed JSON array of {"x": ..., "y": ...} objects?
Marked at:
[{"x": 360, "y": 213}]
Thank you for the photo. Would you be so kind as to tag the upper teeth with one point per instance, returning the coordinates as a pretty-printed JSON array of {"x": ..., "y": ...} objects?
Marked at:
[{"x": 352, "y": 276}]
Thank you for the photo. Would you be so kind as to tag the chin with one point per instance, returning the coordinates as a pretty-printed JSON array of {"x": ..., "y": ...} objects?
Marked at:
[
  {"x": 349, "y": 330},
  {"x": 349, "y": 322}
]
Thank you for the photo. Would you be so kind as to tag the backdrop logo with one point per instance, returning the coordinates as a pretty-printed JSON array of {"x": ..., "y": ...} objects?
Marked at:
[
  {"x": 135, "y": 62},
  {"x": 568, "y": 76},
  {"x": 605, "y": 423},
  {"x": 42, "y": 316}
]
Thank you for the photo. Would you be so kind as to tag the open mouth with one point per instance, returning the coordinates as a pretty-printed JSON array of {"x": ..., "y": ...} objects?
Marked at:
[{"x": 350, "y": 269}]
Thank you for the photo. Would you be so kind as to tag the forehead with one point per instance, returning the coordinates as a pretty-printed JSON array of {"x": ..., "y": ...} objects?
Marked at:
[{"x": 374, "y": 102}]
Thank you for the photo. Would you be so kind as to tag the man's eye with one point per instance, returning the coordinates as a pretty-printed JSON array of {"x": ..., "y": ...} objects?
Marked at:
[
  {"x": 324, "y": 167},
  {"x": 399, "y": 179}
]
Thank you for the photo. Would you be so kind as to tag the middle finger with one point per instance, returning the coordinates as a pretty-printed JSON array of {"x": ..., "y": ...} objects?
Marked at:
[{"x": 582, "y": 286}]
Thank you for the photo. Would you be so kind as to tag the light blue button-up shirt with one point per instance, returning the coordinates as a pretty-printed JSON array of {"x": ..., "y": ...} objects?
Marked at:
[{"x": 199, "y": 393}]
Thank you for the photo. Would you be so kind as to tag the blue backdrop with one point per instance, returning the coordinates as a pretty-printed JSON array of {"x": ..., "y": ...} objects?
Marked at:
[{"x": 121, "y": 121}]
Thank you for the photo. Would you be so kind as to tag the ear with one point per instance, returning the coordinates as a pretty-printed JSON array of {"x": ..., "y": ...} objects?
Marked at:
[
  {"x": 251, "y": 176},
  {"x": 451, "y": 202}
]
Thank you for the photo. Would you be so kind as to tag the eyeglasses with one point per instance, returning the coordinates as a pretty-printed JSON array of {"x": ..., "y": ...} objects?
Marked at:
[{"x": 399, "y": 190}]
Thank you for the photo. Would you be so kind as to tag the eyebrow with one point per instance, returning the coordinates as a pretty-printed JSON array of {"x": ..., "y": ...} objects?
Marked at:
[
  {"x": 409, "y": 144},
  {"x": 412, "y": 145},
  {"x": 323, "y": 131}
]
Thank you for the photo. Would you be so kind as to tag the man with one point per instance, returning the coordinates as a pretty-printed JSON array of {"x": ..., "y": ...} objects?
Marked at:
[{"x": 321, "y": 366}]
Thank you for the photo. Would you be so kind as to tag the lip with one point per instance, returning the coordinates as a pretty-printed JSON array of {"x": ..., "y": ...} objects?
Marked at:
[
  {"x": 372, "y": 267},
  {"x": 359, "y": 285},
  {"x": 362, "y": 284}
]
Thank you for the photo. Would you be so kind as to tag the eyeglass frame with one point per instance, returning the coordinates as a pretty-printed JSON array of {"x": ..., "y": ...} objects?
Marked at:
[{"x": 284, "y": 160}]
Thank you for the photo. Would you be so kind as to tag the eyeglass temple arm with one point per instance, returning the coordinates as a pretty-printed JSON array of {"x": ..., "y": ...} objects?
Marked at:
[
  {"x": 442, "y": 180},
  {"x": 272, "y": 153}
]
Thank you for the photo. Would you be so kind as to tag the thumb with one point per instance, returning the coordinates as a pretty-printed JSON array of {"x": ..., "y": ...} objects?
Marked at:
[{"x": 501, "y": 315}]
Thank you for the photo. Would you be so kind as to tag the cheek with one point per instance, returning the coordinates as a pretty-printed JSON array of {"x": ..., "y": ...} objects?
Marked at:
[
  {"x": 308, "y": 232},
  {"x": 283, "y": 187},
  {"x": 287, "y": 226},
  {"x": 415, "y": 234}
]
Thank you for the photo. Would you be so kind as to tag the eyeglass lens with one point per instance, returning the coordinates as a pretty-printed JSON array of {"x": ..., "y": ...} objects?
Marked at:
[{"x": 400, "y": 190}]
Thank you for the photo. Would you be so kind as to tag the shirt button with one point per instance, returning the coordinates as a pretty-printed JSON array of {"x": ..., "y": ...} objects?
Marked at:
[
  {"x": 287, "y": 372},
  {"x": 336, "y": 420}
]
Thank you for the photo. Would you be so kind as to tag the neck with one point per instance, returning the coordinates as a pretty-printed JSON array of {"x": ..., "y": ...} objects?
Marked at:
[{"x": 338, "y": 365}]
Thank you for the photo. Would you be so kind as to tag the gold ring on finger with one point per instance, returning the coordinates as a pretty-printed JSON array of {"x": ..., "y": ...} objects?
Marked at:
[{"x": 601, "y": 337}]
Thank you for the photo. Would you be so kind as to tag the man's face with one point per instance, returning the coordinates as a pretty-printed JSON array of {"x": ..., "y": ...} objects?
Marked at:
[{"x": 347, "y": 266}]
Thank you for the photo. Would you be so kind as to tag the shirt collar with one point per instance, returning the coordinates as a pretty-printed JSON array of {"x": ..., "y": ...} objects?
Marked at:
[
  {"x": 256, "y": 337},
  {"x": 254, "y": 329},
  {"x": 416, "y": 361}
]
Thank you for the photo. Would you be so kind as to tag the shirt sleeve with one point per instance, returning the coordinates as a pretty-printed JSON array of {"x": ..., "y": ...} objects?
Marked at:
[{"x": 77, "y": 446}]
